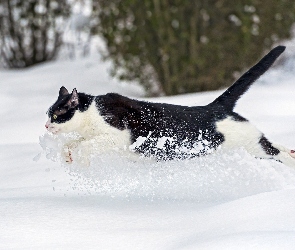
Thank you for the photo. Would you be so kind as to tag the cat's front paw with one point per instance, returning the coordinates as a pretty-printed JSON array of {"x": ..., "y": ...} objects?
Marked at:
[
  {"x": 78, "y": 152},
  {"x": 67, "y": 155},
  {"x": 68, "y": 149}
]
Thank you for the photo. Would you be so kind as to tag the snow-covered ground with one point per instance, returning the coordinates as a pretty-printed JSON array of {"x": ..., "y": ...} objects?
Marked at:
[{"x": 224, "y": 201}]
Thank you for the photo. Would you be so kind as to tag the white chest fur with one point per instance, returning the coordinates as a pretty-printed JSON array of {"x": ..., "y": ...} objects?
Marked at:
[{"x": 91, "y": 126}]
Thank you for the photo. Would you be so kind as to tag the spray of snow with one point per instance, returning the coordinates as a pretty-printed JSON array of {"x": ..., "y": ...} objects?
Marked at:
[
  {"x": 169, "y": 147},
  {"x": 222, "y": 175}
]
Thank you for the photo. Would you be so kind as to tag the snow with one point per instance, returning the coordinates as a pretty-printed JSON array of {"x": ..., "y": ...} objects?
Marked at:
[{"x": 228, "y": 200}]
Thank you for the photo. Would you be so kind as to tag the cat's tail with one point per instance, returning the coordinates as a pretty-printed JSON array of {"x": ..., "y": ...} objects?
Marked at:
[{"x": 229, "y": 98}]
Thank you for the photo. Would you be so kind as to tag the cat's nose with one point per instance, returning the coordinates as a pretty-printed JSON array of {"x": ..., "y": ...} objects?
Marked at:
[{"x": 46, "y": 126}]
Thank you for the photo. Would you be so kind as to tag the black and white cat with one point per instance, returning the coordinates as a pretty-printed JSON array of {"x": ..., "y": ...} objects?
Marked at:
[{"x": 161, "y": 130}]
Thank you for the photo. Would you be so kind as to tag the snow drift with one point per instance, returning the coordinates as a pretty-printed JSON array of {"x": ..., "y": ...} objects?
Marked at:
[{"x": 227, "y": 200}]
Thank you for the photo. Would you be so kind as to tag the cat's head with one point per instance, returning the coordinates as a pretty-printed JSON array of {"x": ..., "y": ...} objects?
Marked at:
[{"x": 61, "y": 113}]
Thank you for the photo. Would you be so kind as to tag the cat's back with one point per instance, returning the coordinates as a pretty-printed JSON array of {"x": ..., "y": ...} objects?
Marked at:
[{"x": 120, "y": 111}]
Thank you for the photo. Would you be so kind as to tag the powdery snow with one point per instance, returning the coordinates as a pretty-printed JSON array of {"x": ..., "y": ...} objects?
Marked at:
[{"x": 228, "y": 200}]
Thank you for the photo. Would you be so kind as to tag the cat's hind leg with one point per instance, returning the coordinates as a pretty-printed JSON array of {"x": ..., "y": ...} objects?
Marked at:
[
  {"x": 278, "y": 152},
  {"x": 286, "y": 156},
  {"x": 244, "y": 134}
]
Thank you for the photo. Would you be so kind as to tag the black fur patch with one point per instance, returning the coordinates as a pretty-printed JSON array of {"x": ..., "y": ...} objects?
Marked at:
[
  {"x": 61, "y": 111},
  {"x": 268, "y": 147}
]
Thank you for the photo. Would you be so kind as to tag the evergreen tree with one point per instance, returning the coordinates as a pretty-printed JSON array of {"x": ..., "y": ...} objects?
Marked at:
[{"x": 187, "y": 46}]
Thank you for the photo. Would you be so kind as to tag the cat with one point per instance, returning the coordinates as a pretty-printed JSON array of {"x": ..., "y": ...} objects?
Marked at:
[{"x": 164, "y": 131}]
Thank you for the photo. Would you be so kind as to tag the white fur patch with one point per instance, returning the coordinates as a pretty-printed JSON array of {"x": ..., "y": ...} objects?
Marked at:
[{"x": 241, "y": 134}]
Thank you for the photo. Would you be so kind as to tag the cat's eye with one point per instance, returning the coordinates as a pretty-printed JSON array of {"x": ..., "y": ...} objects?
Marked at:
[{"x": 54, "y": 117}]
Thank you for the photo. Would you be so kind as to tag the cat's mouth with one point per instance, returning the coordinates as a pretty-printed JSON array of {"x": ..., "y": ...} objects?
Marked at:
[{"x": 51, "y": 128}]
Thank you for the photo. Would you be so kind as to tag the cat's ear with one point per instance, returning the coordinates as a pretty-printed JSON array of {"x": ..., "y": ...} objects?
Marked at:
[
  {"x": 74, "y": 100},
  {"x": 63, "y": 91}
]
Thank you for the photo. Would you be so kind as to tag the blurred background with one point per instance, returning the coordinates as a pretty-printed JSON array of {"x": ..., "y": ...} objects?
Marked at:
[{"x": 167, "y": 46}]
